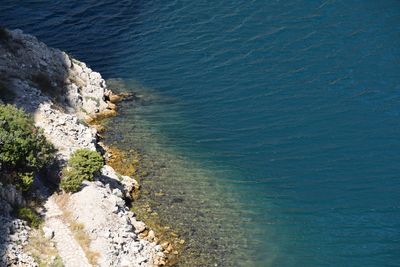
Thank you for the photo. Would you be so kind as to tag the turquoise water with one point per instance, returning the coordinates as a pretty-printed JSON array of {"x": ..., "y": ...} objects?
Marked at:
[{"x": 291, "y": 106}]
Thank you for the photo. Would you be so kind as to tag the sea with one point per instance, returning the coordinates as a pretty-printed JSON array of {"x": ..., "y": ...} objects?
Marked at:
[{"x": 270, "y": 130}]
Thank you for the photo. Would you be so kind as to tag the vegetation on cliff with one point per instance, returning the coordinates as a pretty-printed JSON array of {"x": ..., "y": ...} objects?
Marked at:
[
  {"x": 24, "y": 149},
  {"x": 84, "y": 164},
  {"x": 29, "y": 215}
]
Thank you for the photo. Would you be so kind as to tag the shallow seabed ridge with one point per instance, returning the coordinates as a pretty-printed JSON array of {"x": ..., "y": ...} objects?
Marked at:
[{"x": 178, "y": 191}]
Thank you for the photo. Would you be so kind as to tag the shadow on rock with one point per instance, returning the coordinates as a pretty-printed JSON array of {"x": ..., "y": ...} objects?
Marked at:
[{"x": 60, "y": 92}]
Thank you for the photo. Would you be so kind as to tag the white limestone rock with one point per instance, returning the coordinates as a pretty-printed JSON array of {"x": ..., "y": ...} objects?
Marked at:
[{"x": 113, "y": 234}]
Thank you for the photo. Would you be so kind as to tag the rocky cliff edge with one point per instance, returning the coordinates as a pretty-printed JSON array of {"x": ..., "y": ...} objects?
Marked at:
[{"x": 61, "y": 93}]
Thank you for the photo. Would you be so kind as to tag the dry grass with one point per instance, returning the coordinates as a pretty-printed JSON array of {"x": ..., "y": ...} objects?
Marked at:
[
  {"x": 43, "y": 250},
  {"x": 77, "y": 229},
  {"x": 83, "y": 239},
  {"x": 62, "y": 200}
]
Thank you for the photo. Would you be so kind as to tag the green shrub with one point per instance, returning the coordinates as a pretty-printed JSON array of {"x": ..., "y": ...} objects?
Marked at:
[
  {"x": 23, "y": 147},
  {"x": 25, "y": 181},
  {"x": 71, "y": 180},
  {"x": 30, "y": 216},
  {"x": 84, "y": 164}
]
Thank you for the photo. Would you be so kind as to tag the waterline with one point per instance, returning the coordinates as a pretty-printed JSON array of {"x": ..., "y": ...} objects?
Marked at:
[{"x": 185, "y": 194}]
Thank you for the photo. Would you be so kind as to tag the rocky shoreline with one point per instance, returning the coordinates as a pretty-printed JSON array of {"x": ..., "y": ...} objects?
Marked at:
[{"x": 63, "y": 95}]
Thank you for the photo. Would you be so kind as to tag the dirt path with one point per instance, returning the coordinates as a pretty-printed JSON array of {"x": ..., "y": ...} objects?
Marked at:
[{"x": 68, "y": 248}]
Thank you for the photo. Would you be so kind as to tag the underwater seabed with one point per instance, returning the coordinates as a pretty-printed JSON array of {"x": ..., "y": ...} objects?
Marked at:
[{"x": 178, "y": 191}]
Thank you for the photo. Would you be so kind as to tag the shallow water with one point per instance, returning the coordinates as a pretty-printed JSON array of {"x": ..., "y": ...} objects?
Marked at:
[
  {"x": 189, "y": 196},
  {"x": 289, "y": 108}
]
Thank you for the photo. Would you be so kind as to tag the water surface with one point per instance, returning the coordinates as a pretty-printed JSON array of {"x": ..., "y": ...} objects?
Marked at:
[{"x": 291, "y": 108}]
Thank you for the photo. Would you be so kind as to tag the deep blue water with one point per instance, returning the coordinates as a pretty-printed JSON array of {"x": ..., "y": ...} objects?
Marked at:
[{"x": 295, "y": 104}]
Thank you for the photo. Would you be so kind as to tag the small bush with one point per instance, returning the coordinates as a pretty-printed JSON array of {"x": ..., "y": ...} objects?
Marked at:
[
  {"x": 71, "y": 180},
  {"x": 22, "y": 144},
  {"x": 23, "y": 147},
  {"x": 30, "y": 216},
  {"x": 25, "y": 181},
  {"x": 84, "y": 164}
]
